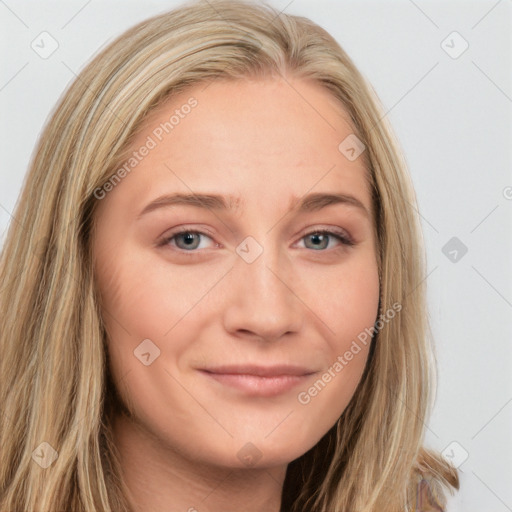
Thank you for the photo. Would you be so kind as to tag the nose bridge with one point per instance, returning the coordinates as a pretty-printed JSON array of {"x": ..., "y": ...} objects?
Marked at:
[
  {"x": 265, "y": 275},
  {"x": 263, "y": 300}
]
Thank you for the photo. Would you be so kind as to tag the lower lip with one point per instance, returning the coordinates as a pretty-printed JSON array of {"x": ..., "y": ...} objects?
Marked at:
[{"x": 257, "y": 385}]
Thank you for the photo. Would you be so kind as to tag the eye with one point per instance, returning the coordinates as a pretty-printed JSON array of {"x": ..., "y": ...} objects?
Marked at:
[
  {"x": 185, "y": 239},
  {"x": 188, "y": 240},
  {"x": 320, "y": 238}
]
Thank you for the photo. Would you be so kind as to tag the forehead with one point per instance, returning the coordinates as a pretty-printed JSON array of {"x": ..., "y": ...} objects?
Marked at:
[{"x": 248, "y": 138}]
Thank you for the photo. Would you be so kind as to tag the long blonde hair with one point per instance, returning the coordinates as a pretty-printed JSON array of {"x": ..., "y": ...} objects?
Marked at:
[{"x": 55, "y": 382}]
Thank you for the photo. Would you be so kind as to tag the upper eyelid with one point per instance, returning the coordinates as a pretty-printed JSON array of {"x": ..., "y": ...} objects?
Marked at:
[{"x": 303, "y": 233}]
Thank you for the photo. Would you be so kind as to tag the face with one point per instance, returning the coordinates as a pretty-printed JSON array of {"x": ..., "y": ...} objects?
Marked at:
[{"x": 236, "y": 263}]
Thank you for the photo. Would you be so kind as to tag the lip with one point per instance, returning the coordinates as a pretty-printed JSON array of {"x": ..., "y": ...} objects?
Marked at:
[{"x": 255, "y": 380}]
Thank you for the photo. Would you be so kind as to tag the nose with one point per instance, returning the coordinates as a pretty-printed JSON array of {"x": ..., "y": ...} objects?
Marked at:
[{"x": 262, "y": 303}]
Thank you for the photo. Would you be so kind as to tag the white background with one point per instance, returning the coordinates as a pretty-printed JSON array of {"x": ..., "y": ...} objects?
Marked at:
[{"x": 453, "y": 119}]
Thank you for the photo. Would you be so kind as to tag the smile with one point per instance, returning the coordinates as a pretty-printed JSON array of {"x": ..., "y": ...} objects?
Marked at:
[{"x": 259, "y": 380}]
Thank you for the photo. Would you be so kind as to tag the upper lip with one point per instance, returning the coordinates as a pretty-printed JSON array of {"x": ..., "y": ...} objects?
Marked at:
[{"x": 260, "y": 370}]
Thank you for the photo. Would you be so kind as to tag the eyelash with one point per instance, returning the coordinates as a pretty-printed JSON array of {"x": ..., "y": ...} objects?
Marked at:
[{"x": 340, "y": 235}]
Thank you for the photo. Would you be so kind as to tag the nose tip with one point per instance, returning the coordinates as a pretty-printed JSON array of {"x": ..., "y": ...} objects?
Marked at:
[{"x": 262, "y": 302}]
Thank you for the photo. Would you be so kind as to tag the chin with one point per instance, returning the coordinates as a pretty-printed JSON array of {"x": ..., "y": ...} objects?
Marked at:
[{"x": 260, "y": 453}]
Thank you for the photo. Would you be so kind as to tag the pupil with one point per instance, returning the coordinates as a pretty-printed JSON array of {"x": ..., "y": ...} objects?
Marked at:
[
  {"x": 189, "y": 238},
  {"x": 318, "y": 239}
]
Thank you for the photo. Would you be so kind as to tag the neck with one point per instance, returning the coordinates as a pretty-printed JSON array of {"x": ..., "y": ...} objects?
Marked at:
[{"x": 161, "y": 480}]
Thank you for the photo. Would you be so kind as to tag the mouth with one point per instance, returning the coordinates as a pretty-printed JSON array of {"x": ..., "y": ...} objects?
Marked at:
[{"x": 262, "y": 381}]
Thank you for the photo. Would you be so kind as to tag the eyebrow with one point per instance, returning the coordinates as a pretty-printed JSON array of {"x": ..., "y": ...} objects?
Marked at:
[{"x": 309, "y": 203}]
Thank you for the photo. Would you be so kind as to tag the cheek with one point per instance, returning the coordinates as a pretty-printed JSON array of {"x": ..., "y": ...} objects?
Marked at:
[
  {"x": 132, "y": 312},
  {"x": 347, "y": 300},
  {"x": 349, "y": 307},
  {"x": 146, "y": 299},
  {"x": 141, "y": 302}
]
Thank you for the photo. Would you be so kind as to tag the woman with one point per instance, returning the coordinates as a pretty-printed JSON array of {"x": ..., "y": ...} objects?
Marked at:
[{"x": 282, "y": 362}]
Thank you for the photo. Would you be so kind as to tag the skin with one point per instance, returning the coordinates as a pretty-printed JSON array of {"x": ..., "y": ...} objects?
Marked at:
[{"x": 184, "y": 440}]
